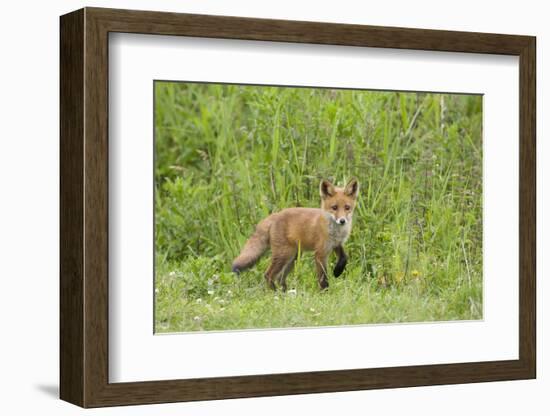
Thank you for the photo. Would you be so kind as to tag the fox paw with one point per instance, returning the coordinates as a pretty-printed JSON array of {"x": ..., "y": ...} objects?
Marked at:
[{"x": 323, "y": 284}]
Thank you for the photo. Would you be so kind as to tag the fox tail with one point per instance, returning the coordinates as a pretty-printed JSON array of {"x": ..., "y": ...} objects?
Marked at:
[{"x": 253, "y": 249}]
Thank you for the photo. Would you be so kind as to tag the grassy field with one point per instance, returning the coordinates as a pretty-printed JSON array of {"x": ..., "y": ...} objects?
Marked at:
[{"x": 228, "y": 155}]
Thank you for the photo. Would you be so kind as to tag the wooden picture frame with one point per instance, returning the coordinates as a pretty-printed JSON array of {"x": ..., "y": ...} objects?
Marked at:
[{"x": 84, "y": 207}]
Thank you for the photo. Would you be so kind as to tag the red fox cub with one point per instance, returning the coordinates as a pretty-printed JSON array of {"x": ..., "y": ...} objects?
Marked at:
[{"x": 320, "y": 230}]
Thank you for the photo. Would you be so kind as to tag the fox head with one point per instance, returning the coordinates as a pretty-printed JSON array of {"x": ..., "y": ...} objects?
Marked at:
[{"x": 339, "y": 203}]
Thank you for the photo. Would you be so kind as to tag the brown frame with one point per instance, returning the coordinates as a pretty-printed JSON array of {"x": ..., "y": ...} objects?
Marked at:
[{"x": 84, "y": 207}]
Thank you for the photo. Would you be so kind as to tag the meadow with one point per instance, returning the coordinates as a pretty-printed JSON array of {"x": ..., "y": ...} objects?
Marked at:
[{"x": 227, "y": 156}]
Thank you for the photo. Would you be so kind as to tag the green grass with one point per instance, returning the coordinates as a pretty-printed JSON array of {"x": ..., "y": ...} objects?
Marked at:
[{"x": 228, "y": 155}]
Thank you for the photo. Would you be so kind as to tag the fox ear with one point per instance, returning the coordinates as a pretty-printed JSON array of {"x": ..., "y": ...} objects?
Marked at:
[
  {"x": 352, "y": 188},
  {"x": 326, "y": 189}
]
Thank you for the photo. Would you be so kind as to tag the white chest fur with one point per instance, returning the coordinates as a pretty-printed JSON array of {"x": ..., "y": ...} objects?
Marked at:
[{"x": 338, "y": 234}]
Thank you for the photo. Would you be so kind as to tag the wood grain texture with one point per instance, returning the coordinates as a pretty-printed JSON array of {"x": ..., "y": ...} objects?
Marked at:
[
  {"x": 71, "y": 186},
  {"x": 226, "y": 27},
  {"x": 96, "y": 208},
  {"x": 84, "y": 207},
  {"x": 527, "y": 207}
]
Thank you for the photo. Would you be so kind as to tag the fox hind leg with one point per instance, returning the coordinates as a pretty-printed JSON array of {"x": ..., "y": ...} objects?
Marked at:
[
  {"x": 281, "y": 264},
  {"x": 275, "y": 269},
  {"x": 268, "y": 275},
  {"x": 285, "y": 272}
]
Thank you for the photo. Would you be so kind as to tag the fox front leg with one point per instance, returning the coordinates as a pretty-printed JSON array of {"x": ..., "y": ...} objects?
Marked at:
[
  {"x": 342, "y": 261},
  {"x": 321, "y": 266}
]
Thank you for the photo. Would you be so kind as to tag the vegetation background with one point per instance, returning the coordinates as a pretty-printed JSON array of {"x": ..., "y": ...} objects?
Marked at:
[{"x": 229, "y": 155}]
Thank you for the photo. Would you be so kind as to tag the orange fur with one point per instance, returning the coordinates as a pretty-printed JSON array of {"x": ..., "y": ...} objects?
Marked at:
[{"x": 321, "y": 230}]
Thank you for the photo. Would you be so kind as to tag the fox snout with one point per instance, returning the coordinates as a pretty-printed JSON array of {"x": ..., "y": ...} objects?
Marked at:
[{"x": 338, "y": 203}]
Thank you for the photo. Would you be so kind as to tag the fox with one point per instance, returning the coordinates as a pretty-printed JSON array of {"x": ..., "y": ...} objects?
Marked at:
[{"x": 321, "y": 230}]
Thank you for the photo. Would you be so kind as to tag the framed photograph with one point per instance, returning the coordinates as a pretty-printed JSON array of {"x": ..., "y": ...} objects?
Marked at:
[{"x": 254, "y": 207}]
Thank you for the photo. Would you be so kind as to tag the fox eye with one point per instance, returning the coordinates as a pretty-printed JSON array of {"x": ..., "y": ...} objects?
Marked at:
[
  {"x": 334, "y": 207},
  {"x": 347, "y": 207}
]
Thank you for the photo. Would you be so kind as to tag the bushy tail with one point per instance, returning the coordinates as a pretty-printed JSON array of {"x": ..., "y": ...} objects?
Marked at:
[{"x": 253, "y": 249}]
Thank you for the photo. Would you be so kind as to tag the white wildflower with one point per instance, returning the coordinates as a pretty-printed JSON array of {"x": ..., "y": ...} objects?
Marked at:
[{"x": 199, "y": 300}]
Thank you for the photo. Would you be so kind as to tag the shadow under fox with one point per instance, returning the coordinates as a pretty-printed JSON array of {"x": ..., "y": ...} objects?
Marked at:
[{"x": 321, "y": 230}]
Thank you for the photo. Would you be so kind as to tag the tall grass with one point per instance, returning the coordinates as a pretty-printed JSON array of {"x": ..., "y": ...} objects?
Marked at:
[{"x": 229, "y": 155}]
